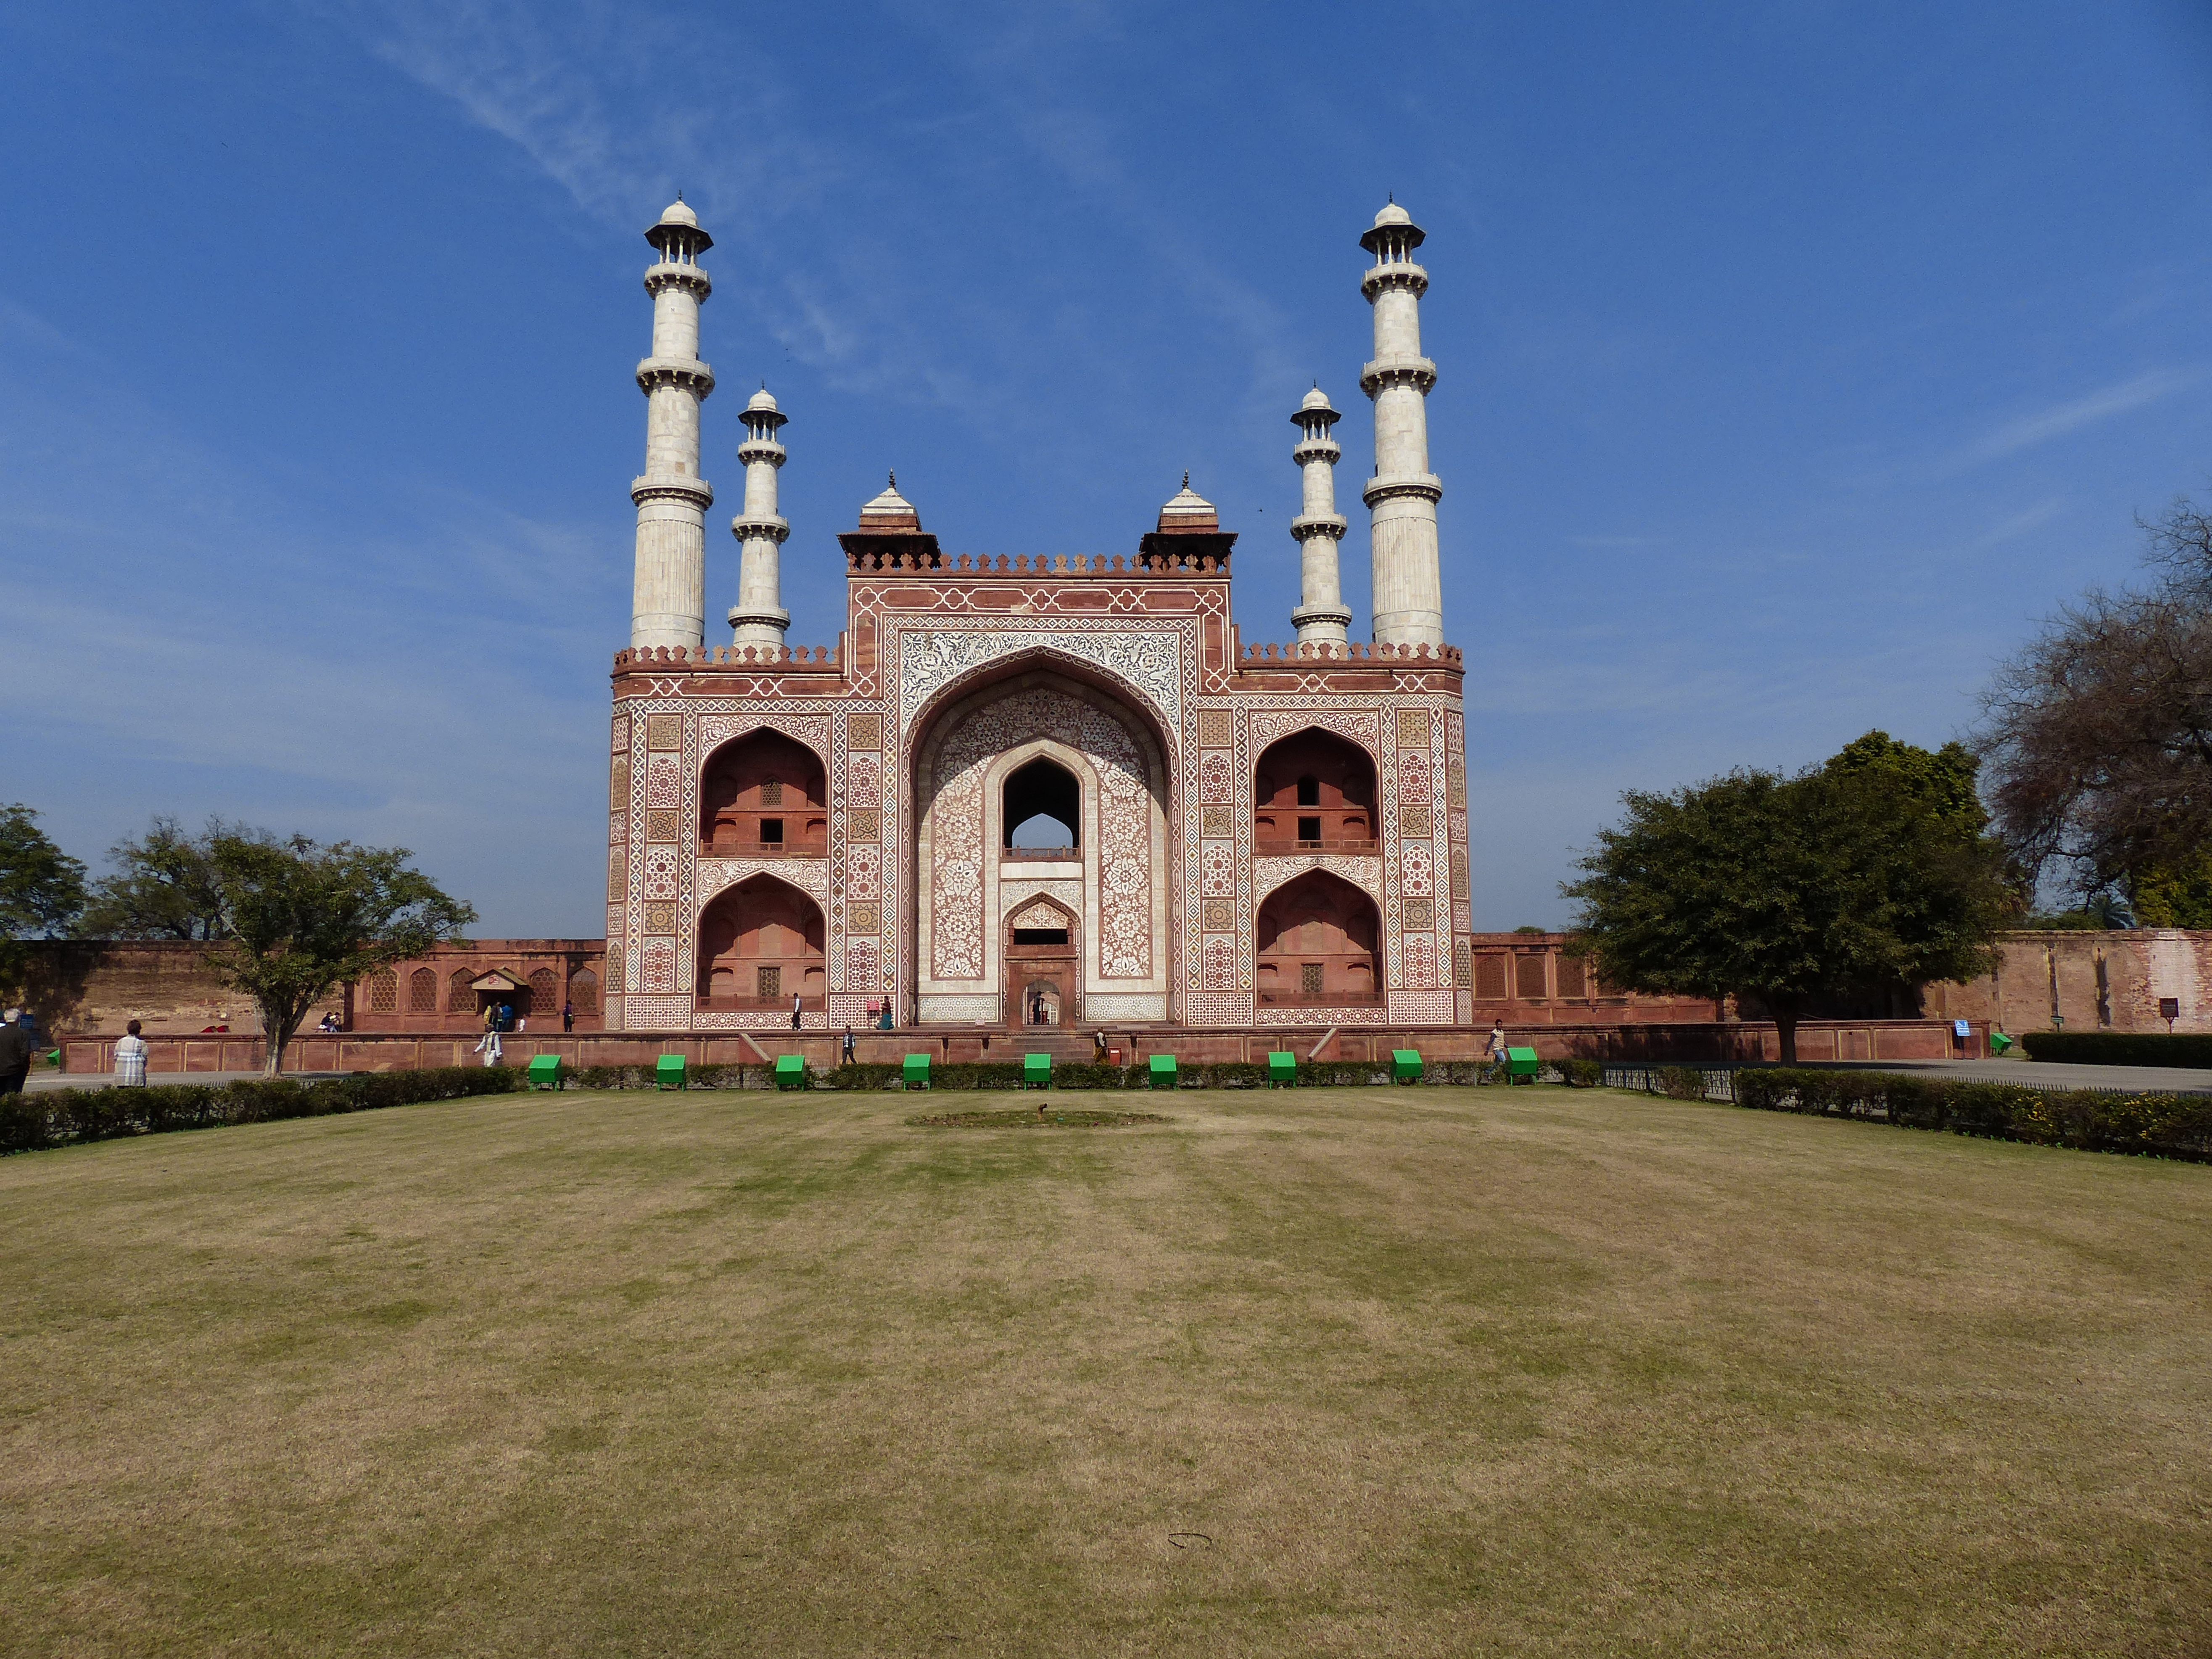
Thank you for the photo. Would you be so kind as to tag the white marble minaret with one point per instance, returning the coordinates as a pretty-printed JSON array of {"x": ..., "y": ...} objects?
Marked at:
[
  {"x": 1321, "y": 616},
  {"x": 758, "y": 617},
  {"x": 668, "y": 601},
  {"x": 1401, "y": 497}
]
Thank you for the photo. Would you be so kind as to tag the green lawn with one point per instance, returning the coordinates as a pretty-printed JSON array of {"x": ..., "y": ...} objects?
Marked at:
[{"x": 1335, "y": 1371}]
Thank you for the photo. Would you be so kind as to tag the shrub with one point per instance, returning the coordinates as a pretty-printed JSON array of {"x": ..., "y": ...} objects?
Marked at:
[
  {"x": 29, "y": 1121},
  {"x": 2120, "y": 1048},
  {"x": 1679, "y": 1082},
  {"x": 1582, "y": 1073},
  {"x": 2168, "y": 1126}
]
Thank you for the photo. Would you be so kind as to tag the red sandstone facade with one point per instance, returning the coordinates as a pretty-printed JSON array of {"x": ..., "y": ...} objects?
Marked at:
[{"x": 1260, "y": 837}]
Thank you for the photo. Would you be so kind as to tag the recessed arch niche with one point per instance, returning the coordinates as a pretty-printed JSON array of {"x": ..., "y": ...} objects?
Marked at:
[
  {"x": 763, "y": 795},
  {"x": 972, "y": 762},
  {"x": 1319, "y": 940},
  {"x": 760, "y": 943},
  {"x": 1314, "y": 791}
]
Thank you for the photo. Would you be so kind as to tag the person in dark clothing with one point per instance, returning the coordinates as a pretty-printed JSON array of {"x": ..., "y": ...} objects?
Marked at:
[
  {"x": 848, "y": 1046},
  {"x": 795, "y": 1001},
  {"x": 14, "y": 1053},
  {"x": 568, "y": 1016}
]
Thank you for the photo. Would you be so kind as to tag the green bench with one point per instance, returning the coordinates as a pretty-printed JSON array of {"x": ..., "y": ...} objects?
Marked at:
[
  {"x": 1036, "y": 1071},
  {"x": 791, "y": 1071},
  {"x": 1162, "y": 1072},
  {"x": 1405, "y": 1064},
  {"x": 668, "y": 1072},
  {"x": 1522, "y": 1063},
  {"x": 546, "y": 1071},
  {"x": 913, "y": 1072},
  {"x": 1282, "y": 1068}
]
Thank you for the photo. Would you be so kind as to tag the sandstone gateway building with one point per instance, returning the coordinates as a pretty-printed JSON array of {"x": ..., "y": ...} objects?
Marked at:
[{"x": 1253, "y": 835}]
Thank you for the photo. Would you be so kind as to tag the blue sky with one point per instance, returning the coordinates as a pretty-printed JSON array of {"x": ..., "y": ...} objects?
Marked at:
[{"x": 1794, "y": 359}]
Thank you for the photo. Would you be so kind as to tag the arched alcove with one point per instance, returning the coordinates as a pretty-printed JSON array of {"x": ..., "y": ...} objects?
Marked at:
[
  {"x": 1042, "y": 807},
  {"x": 760, "y": 943},
  {"x": 1314, "y": 791},
  {"x": 1043, "y": 979},
  {"x": 1319, "y": 940},
  {"x": 763, "y": 795},
  {"x": 584, "y": 992}
]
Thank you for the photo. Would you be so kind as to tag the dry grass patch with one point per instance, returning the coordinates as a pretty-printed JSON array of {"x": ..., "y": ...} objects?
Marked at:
[{"x": 1421, "y": 1371}]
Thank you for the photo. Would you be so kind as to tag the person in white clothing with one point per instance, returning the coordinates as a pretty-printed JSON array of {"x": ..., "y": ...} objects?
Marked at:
[
  {"x": 130, "y": 1058},
  {"x": 490, "y": 1047}
]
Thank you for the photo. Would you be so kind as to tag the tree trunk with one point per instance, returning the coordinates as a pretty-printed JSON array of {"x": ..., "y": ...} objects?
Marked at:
[
  {"x": 277, "y": 1025},
  {"x": 1784, "y": 1009}
]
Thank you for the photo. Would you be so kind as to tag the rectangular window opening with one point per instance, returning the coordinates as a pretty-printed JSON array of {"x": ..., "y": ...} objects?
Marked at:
[
  {"x": 770, "y": 981},
  {"x": 772, "y": 793},
  {"x": 771, "y": 832},
  {"x": 1309, "y": 979},
  {"x": 1309, "y": 829},
  {"x": 1040, "y": 935}
]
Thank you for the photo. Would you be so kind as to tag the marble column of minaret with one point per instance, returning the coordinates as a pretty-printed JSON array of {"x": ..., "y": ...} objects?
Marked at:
[
  {"x": 758, "y": 617},
  {"x": 1322, "y": 617},
  {"x": 668, "y": 601},
  {"x": 1401, "y": 497}
]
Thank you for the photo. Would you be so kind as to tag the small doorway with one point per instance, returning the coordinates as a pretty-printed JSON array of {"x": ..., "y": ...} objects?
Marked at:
[{"x": 1041, "y": 963}]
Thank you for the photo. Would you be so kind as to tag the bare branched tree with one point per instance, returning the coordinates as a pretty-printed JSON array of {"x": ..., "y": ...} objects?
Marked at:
[{"x": 2097, "y": 738}]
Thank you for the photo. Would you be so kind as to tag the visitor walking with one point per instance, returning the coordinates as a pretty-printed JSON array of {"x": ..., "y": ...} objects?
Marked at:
[
  {"x": 1498, "y": 1043},
  {"x": 489, "y": 1048},
  {"x": 130, "y": 1058},
  {"x": 568, "y": 1016},
  {"x": 795, "y": 1004},
  {"x": 845, "y": 1052},
  {"x": 14, "y": 1053}
]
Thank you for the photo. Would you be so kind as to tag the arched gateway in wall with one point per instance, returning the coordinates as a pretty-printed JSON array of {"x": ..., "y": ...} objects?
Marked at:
[
  {"x": 976, "y": 774},
  {"x": 1033, "y": 788}
]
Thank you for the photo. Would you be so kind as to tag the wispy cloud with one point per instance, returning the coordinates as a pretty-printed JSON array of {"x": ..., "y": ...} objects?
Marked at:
[{"x": 2026, "y": 431}]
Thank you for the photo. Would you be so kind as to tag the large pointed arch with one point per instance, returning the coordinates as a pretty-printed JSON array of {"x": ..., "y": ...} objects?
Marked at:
[{"x": 1117, "y": 752}]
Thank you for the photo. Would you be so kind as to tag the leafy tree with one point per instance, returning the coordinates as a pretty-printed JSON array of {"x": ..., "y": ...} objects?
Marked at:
[
  {"x": 2098, "y": 736},
  {"x": 2174, "y": 894},
  {"x": 298, "y": 918},
  {"x": 164, "y": 886},
  {"x": 1943, "y": 781},
  {"x": 41, "y": 888},
  {"x": 1870, "y": 869}
]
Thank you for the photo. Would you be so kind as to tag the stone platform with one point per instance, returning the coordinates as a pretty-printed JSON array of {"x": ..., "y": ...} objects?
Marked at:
[{"x": 1732, "y": 1041}]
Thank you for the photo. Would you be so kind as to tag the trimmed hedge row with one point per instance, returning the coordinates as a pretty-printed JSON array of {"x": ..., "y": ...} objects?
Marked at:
[
  {"x": 59, "y": 1117},
  {"x": 2119, "y": 1048},
  {"x": 2159, "y": 1125},
  {"x": 989, "y": 1075}
]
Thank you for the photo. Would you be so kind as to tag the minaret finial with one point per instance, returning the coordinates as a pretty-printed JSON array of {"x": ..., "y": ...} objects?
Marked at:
[
  {"x": 894, "y": 478},
  {"x": 679, "y": 192},
  {"x": 1186, "y": 477}
]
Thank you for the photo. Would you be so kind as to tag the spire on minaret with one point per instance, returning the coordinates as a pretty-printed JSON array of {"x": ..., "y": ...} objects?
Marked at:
[
  {"x": 1401, "y": 497},
  {"x": 758, "y": 617},
  {"x": 1321, "y": 618},
  {"x": 668, "y": 596}
]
